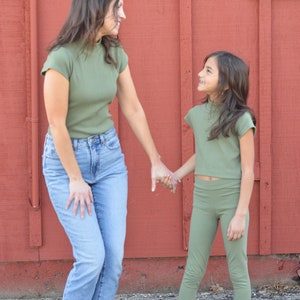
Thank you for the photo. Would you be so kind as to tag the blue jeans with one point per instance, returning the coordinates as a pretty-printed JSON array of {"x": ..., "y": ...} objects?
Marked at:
[{"x": 97, "y": 240}]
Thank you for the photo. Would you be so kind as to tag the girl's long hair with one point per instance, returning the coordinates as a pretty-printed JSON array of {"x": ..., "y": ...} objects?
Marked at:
[
  {"x": 233, "y": 87},
  {"x": 83, "y": 23}
]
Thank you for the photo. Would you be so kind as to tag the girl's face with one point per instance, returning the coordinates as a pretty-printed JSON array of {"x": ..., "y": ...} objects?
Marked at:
[
  {"x": 112, "y": 20},
  {"x": 209, "y": 78}
]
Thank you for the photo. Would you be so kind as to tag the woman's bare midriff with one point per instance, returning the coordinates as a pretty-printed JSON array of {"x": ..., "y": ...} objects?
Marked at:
[{"x": 207, "y": 178}]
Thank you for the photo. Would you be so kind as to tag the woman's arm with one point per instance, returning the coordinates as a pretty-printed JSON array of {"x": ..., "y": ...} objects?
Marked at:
[
  {"x": 237, "y": 226},
  {"x": 56, "y": 93},
  {"x": 134, "y": 114}
]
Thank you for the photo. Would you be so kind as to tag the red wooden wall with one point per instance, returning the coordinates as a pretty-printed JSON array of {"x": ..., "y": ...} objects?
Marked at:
[{"x": 166, "y": 42}]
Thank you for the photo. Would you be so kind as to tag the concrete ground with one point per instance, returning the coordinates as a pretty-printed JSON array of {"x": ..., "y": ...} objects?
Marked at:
[
  {"x": 279, "y": 291},
  {"x": 224, "y": 295}
]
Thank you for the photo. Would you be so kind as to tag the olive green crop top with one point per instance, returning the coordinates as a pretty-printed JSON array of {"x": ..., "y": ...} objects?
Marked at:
[
  {"x": 219, "y": 157},
  {"x": 92, "y": 85}
]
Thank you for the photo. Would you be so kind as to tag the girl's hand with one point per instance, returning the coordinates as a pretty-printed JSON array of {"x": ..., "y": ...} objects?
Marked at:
[
  {"x": 236, "y": 228},
  {"x": 81, "y": 194},
  {"x": 167, "y": 182},
  {"x": 160, "y": 171}
]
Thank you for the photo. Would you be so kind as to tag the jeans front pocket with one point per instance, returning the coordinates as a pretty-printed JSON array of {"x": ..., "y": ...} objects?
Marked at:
[
  {"x": 110, "y": 154},
  {"x": 50, "y": 160},
  {"x": 111, "y": 140}
]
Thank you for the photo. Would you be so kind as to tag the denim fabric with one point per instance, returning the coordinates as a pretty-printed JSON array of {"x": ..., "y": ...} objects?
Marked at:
[{"x": 98, "y": 240}]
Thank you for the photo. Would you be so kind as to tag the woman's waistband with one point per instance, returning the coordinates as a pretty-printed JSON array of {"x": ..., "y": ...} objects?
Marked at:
[{"x": 99, "y": 138}]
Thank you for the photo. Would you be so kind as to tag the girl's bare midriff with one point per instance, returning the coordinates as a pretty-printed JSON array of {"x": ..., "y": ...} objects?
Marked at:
[{"x": 207, "y": 178}]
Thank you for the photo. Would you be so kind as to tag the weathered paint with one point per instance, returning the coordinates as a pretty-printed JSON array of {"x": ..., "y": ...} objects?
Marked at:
[{"x": 166, "y": 42}]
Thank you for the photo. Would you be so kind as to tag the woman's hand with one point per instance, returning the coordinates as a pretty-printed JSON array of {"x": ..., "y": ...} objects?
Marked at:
[
  {"x": 81, "y": 194},
  {"x": 160, "y": 172},
  {"x": 236, "y": 228}
]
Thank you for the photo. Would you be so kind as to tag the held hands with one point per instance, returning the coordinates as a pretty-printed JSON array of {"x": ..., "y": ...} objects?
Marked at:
[
  {"x": 168, "y": 182},
  {"x": 81, "y": 194},
  {"x": 236, "y": 228},
  {"x": 158, "y": 174}
]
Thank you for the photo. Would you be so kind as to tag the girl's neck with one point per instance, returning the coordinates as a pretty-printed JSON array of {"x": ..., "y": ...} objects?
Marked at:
[{"x": 214, "y": 100}]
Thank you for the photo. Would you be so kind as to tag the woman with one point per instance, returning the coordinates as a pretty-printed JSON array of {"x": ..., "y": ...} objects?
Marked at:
[{"x": 83, "y": 163}]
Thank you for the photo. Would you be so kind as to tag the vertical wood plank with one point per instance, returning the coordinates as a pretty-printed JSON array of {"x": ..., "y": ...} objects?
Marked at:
[
  {"x": 35, "y": 217},
  {"x": 285, "y": 116},
  {"x": 265, "y": 123},
  {"x": 186, "y": 93}
]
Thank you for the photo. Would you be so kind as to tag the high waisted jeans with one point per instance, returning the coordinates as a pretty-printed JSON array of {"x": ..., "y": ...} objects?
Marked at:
[
  {"x": 97, "y": 240},
  {"x": 215, "y": 201}
]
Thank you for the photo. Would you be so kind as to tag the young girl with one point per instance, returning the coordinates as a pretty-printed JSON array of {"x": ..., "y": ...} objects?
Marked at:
[{"x": 224, "y": 128}]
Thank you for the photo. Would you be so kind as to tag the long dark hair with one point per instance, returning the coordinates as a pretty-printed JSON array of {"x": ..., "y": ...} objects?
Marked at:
[
  {"x": 84, "y": 21},
  {"x": 233, "y": 87}
]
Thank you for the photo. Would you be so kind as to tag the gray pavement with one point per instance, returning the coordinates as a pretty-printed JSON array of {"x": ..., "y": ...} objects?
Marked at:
[{"x": 224, "y": 295}]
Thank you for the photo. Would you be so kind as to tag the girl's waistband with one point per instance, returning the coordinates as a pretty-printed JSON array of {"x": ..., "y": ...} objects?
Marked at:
[{"x": 217, "y": 184}]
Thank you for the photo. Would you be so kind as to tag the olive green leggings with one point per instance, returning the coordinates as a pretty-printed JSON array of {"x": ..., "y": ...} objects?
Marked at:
[{"x": 215, "y": 201}]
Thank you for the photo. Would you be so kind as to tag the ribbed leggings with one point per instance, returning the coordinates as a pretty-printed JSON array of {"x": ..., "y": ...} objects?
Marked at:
[{"x": 215, "y": 202}]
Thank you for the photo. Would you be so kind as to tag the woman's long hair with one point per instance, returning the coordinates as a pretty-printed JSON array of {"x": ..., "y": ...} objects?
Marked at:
[
  {"x": 84, "y": 21},
  {"x": 233, "y": 87}
]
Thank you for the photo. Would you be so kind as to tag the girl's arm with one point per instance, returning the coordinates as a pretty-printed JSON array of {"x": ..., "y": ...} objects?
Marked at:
[
  {"x": 134, "y": 114},
  {"x": 187, "y": 167},
  {"x": 56, "y": 91},
  {"x": 237, "y": 226}
]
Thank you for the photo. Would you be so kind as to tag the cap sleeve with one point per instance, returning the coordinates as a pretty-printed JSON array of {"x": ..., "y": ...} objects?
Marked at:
[
  {"x": 60, "y": 60},
  {"x": 122, "y": 59},
  {"x": 244, "y": 123}
]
